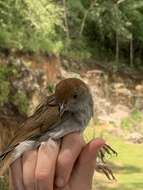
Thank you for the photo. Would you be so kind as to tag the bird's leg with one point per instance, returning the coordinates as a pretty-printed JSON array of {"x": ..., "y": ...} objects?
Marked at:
[
  {"x": 101, "y": 164},
  {"x": 109, "y": 150},
  {"x": 106, "y": 149},
  {"x": 101, "y": 155},
  {"x": 103, "y": 168}
]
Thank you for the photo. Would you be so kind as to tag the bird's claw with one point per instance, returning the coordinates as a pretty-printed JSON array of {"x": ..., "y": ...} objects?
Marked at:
[
  {"x": 106, "y": 170},
  {"x": 109, "y": 150},
  {"x": 101, "y": 166},
  {"x": 106, "y": 149}
]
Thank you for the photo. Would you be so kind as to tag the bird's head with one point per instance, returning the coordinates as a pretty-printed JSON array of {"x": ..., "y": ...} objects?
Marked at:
[{"x": 73, "y": 95}]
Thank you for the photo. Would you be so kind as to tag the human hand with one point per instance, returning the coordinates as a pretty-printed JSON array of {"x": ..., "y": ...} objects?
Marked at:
[{"x": 71, "y": 168}]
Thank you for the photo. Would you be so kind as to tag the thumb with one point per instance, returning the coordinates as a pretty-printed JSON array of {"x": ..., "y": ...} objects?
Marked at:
[{"x": 85, "y": 166}]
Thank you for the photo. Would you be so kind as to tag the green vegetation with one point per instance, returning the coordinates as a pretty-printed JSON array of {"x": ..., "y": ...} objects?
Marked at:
[
  {"x": 4, "y": 184},
  {"x": 79, "y": 29},
  {"x": 21, "y": 101},
  {"x": 4, "y": 83},
  {"x": 109, "y": 31},
  {"x": 127, "y": 167},
  {"x": 130, "y": 122},
  {"x": 7, "y": 73},
  {"x": 29, "y": 25},
  {"x": 51, "y": 88},
  {"x": 4, "y": 91}
]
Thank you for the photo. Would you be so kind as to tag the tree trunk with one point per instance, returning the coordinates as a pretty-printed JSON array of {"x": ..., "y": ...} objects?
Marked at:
[
  {"x": 117, "y": 48},
  {"x": 131, "y": 52},
  {"x": 85, "y": 17},
  {"x": 83, "y": 22},
  {"x": 66, "y": 20}
]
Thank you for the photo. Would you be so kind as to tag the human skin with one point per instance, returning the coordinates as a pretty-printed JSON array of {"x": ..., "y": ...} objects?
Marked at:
[{"x": 51, "y": 167}]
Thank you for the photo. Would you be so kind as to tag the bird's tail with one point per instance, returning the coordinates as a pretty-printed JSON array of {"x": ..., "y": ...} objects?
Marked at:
[{"x": 6, "y": 160}]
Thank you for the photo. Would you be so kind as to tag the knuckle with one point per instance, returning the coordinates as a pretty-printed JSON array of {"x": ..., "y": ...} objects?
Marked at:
[
  {"x": 78, "y": 139},
  {"x": 41, "y": 176},
  {"x": 65, "y": 162},
  {"x": 75, "y": 139},
  {"x": 69, "y": 153}
]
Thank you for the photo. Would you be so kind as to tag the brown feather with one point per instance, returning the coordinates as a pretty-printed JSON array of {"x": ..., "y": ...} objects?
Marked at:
[
  {"x": 40, "y": 121},
  {"x": 44, "y": 117},
  {"x": 4, "y": 164}
]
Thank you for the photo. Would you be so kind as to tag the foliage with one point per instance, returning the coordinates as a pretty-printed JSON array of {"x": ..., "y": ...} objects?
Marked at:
[
  {"x": 4, "y": 85},
  {"x": 21, "y": 101},
  {"x": 107, "y": 28},
  {"x": 80, "y": 29},
  {"x": 51, "y": 88},
  {"x": 6, "y": 90},
  {"x": 30, "y": 25}
]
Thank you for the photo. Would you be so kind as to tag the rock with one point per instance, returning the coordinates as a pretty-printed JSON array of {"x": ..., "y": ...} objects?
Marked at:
[
  {"x": 115, "y": 116},
  {"x": 114, "y": 96},
  {"x": 123, "y": 91},
  {"x": 118, "y": 85},
  {"x": 119, "y": 113},
  {"x": 138, "y": 102},
  {"x": 112, "y": 99},
  {"x": 29, "y": 82},
  {"x": 139, "y": 88},
  {"x": 65, "y": 64},
  {"x": 66, "y": 74},
  {"x": 135, "y": 137},
  {"x": 116, "y": 131}
]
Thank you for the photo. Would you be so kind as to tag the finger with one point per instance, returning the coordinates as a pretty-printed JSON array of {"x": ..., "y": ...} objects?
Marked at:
[
  {"x": 16, "y": 175},
  {"x": 70, "y": 149},
  {"x": 29, "y": 160},
  {"x": 45, "y": 169},
  {"x": 85, "y": 166}
]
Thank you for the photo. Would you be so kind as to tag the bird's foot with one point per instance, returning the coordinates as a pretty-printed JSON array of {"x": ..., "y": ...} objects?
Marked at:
[
  {"x": 103, "y": 168},
  {"x": 106, "y": 149},
  {"x": 101, "y": 165}
]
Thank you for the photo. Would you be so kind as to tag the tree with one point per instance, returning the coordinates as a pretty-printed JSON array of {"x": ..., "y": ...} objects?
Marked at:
[{"x": 26, "y": 25}]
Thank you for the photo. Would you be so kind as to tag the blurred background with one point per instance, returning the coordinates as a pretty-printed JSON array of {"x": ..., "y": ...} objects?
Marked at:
[{"x": 99, "y": 41}]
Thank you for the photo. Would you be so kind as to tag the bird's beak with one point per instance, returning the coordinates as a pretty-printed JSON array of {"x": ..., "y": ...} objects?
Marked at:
[{"x": 62, "y": 109}]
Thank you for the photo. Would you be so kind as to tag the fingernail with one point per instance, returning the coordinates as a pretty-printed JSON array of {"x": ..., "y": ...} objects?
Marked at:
[{"x": 59, "y": 182}]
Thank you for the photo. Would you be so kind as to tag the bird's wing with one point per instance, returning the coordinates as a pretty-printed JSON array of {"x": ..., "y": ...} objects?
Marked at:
[
  {"x": 48, "y": 101},
  {"x": 46, "y": 115}
]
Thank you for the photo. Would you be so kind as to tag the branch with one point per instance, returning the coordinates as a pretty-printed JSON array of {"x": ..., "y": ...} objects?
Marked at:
[
  {"x": 66, "y": 20},
  {"x": 85, "y": 17}
]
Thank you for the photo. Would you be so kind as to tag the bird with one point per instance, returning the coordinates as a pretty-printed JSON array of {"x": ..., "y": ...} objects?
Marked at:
[{"x": 67, "y": 110}]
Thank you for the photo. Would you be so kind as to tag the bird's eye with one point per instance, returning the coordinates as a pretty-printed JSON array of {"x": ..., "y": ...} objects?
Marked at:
[{"x": 75, "y": 96}]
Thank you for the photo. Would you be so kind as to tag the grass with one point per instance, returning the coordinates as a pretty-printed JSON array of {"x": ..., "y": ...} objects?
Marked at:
[
  {"x": 135, "y": 118},
  {"x": 127, "y": 167}
]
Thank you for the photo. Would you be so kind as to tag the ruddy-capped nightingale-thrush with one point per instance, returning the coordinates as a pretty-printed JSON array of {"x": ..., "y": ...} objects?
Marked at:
[{"x": 68, "y": 110}]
